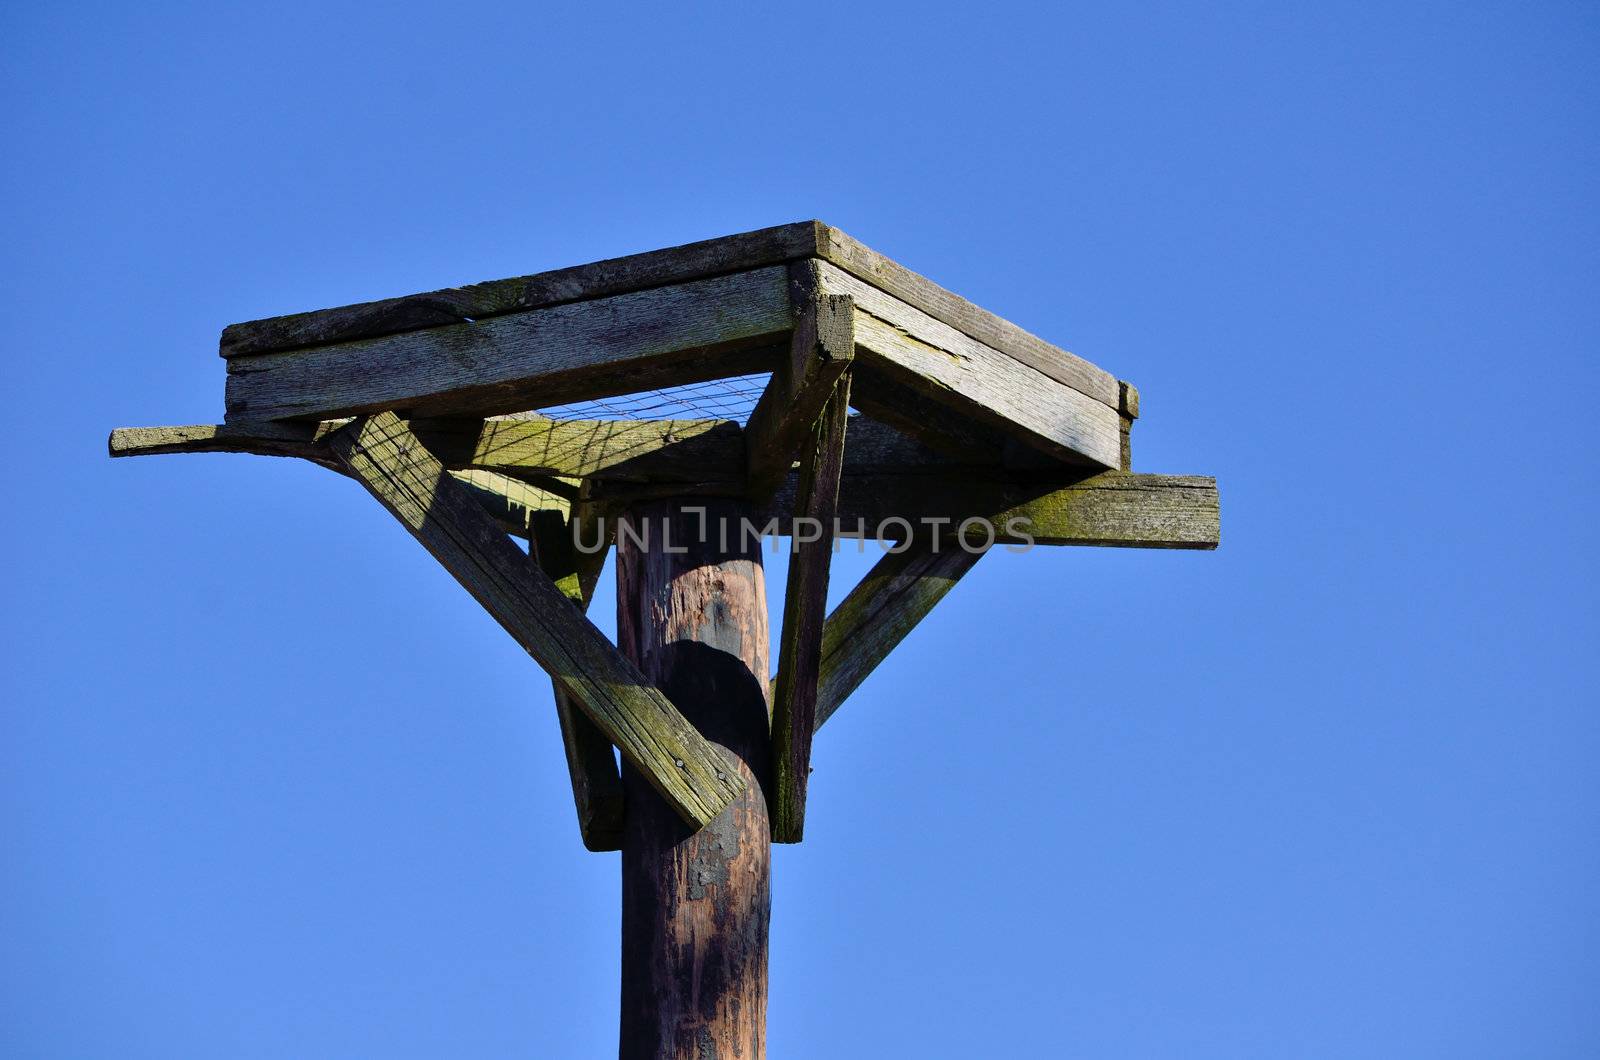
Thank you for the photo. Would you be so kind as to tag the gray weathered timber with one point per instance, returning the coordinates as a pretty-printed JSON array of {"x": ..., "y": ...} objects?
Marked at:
[
  {"x": 511, "y": 501},
  {"x": 1117, "y": 509},
  {"x": 1127, "y": 412},
  {"x": 1113, "y": 508},
  {"x": 658, "y": 337},
  {"x": 805, "y": 603},
  {"x": 955, "y": 369},
  {"x": 634, "y": 272},
  {"x": 712, "y": 257},
  {"x": 820, "y": 349},
  {"x": 383, "y": 454},
  {"x": 596, "y": 783},
  {"x": 896, "y": 594},
  {"x": 265, "y": 439},
  {"x": 885, "y": 475}
]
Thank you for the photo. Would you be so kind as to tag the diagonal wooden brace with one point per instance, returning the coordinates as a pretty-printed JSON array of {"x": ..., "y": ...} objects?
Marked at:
[
  {"x": 805, "y": 605},
  {"x": 896, "y": 594},
  {"x": 384, "y": 456}
]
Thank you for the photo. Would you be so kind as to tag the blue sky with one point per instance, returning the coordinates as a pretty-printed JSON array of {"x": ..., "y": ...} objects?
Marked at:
[{"x": 272, "y": 785}]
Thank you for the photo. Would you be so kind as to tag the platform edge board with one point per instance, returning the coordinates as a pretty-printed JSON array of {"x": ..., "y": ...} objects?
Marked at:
[
  {"x": 665, "y": 336},
  {"x": 672, "y": 265}
]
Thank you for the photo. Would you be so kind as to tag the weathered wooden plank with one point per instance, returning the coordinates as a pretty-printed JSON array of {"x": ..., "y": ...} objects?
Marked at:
[
  {"x": 383, "y": 454},
  {"x": 672, "y": 265},
  {"x": 265, "y": 439},
  {"x": 1116, "y": 509},
  {"x": 638, "y": 341},
  {"x": 885, "y": 474},
  {"x": 633, "y": 272},
  {"x": 896, "y": 594},
  {"x": 953, "y": 368},
  {"x": 596, "y": 783},
  {"x": 511, "y": 501},
  {"x": 1112, "y": 508},
  {"x": 821, "y": 348},
  {"x": 805, "y": 602}
]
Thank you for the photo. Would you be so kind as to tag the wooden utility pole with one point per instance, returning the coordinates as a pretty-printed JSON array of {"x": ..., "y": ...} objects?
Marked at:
[
  {"x": 893, "y": 410},
  {"x": 695, "y": 905}
]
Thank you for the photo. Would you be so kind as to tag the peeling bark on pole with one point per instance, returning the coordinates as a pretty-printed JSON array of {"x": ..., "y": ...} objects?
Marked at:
[{"x": 695, "y": 905}]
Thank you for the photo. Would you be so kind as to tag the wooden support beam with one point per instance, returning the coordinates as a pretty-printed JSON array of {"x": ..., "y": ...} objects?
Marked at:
[
  {"x": 896, "y": 594},
  {"x": 264, "y": 439},
  {"x": 596, "y": 783},
  {"x": 1116, "y": 509},
  {"x": 952, "y": 368},
  {"x": 805, "y": 603},
  {"x": 511, "y": 501},
  {"x": 390, "y": 461},
  {"x": 885, "y": 475},
  {"x": 821, "y": 348},
  {"x": 706, "y": 329}
]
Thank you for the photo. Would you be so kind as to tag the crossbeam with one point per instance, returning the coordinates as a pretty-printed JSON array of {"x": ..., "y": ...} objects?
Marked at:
[
  {"x": 513, "y": 502},
  {"x": 885, "y": 475}
]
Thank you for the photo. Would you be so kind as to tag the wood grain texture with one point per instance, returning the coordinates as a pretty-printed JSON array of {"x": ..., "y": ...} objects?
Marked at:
[
  {"x": 938, "y": 427},
  {"x": 951, "y": 367},
  {"x": 821, "y": 348},
  {"x": 265, "y": 439},
  {"x": 693, "y": 261},
  {"x": 628, "y": 342},
  {"x": 512, "y": 502},
  {"x": 692, "y": 615},
  {"x": 619, "y": 450},
  {"x": 805, "y": 602},
  {"x": 596, "y": 783},
  {"x": 896, "y": 594},
  {"x": 1113, "y": 508},
  {"x": 885, "y": 474},
  {"x": 633, "y": 272},
  {"x": 383, "y": 454},
  {"x": 1116, "y": 509}
]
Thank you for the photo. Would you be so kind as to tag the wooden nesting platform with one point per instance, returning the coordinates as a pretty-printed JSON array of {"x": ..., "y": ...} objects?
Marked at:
[{"x": 963, "y": 419}]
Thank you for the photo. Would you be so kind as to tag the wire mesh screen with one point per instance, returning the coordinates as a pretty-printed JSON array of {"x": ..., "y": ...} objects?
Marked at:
[{"x": 716, "y": 399}]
